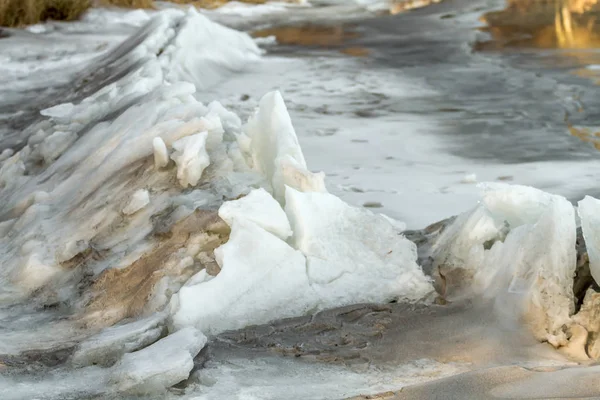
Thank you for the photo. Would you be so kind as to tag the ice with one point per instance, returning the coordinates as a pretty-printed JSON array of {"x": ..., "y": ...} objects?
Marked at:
[
  {"x": 339, "y": 255},
  {"x": 54, "y": 145},
  {"x": 161, "y": 154},
  {"x": 232, "y": 53},
  {"x": 72, "y": 249},
  {"x": 298, "y": 177},
  {"x": 469, "y": 178},
  {"x": 275, "y": 150},
  {"x": 400, "y": 226},
  {"x": 282, "y": 378},
  {"x": 80, "y": 236},
  {"x": 351, "y": 253},
  {"x": 139, "y": 200},
  {"x": 113, "y": 159},
  {"x": 159, "y": 366},
  {"x": 108, "y": 346},
  {"x": 517, "y": 204},
  {"x": 6, "y": 154},
  {"x": 82, "y": 383},
  {"x": 89, "y": 155},
  {"x": 517, "y": 248},
  {"x": 191, "y": 158},
  {"x": 461, "y": 248},
  {"x": 59, "y": 111},
  {"x": 260, "y": 208},
  {"x": 589, "y": 212},
  {"x": 101, "y": 17},
  {"x": 34, "y": 272},
  {"x": 249, "y": 10},
  {"x": 261, "y": 278}
]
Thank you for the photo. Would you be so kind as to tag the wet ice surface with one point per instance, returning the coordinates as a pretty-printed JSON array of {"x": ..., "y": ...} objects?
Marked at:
[
  {"x": 424, "y": 113},
  {"x": 422, "y": 117},
  {"x": 406, "y": 131}
]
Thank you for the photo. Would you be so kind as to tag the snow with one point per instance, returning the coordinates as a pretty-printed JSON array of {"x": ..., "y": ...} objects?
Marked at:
[
  {"x": 260, "y": 208},
  {"x": 589, "y": 212}
]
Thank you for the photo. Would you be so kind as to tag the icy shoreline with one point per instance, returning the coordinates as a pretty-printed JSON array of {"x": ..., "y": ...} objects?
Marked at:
[
  {"x": 100, "y": 220},
  {"x": 138, "y": 224}
]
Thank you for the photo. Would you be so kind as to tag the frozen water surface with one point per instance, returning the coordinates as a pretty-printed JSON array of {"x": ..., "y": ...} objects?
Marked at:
[{"x": 184, "y": 214}]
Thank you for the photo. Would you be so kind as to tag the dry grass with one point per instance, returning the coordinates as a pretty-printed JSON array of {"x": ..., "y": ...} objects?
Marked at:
[
  {"x": 210, "y": 4},
  {"x": 26, "y": 12},
  {"x": 15, "y": 13},
  {"x": 127, "y": 3}
]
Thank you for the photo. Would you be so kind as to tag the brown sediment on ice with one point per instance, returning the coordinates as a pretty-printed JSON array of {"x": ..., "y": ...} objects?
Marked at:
[
  {"x": 356, "y": 51},
  {"x": 123, "y": 293},
  {"x": 310, "y": 35},
  {"x": 211, "y": 4}
]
